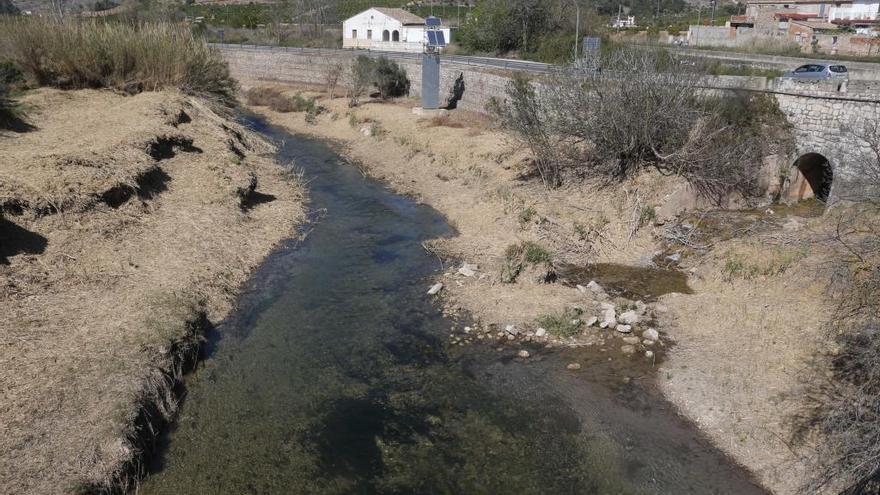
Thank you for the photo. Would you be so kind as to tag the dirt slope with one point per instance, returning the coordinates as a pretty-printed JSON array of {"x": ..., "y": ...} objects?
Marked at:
[{"x": 123, "y": 235}]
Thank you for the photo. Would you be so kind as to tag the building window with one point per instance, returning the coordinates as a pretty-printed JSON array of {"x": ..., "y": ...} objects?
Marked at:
[
  {"x": 395, "y": 36},
  {"x": 386, "y": 36},
  {"x": 369, "y": 34},
  {"x": 354, "y": 34}
]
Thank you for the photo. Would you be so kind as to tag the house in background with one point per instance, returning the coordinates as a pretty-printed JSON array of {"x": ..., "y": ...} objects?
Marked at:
[{"x": 386, "y": 29}]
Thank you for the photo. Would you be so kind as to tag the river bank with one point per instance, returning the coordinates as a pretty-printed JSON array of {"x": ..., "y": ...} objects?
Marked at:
[
  {"x": 731, "y": 355},
  {"x": 128, "y": 225}
]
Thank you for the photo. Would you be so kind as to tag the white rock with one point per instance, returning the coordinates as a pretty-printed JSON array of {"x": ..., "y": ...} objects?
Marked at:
[
  {"x": 649, "y": 354},
  {"x": 651, "y": 334},
  {"x": 573, "y": 366},
  {"x": 648, "y": 343},
  {"x": 661, "y": 308},
  {"x": 581, "y": 288},
  {"x": 511, "y": 330},
  {"x": 540, "y": 332},
  {"x": 466, "y": 271},
  {"x": 435, "y": 289},
  {"x": 628, "y": 349},
  {"x": 593, "y": 286},
  {"x": 623, "y": 328},
  {"x": 591, "y": 321},
  {"x": 367, "y": 131},
  {"x": 641, "y": 308},
  {"x": 674, "y": 257},
  {"x": 630, "y": 339},
  {"x": 523, "y": 353},
  {"x": 628, "y": 317},
  {"x": 606, "y": 306}
]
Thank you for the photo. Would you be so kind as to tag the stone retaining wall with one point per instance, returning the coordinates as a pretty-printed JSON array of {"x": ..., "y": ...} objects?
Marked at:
[{"x": 823, "y": 114}]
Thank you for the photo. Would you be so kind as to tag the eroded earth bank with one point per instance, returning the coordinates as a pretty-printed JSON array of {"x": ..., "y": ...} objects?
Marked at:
[{"x": 127, "y": 225}]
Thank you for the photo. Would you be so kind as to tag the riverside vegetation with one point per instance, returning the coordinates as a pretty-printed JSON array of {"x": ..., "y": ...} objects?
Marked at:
[
  {"x": 131, "y": 210},
  {"x": 611, "y": 185}
]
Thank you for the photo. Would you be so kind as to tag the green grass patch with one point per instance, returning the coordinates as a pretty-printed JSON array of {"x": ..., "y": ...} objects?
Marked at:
[{"x": 564, "y": 324}]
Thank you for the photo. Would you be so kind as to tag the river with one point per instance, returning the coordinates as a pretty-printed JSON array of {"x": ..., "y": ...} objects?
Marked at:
[{"x": 334, "y": 376}]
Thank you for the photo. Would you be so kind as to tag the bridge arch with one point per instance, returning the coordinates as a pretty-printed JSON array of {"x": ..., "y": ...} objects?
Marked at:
[
  {"x": 812, "y": 177},
  {"x": 386, "y": 36},
  {"x": 395, "y": 36}
]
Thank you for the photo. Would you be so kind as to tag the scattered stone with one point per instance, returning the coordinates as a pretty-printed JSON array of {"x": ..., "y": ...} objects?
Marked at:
[
  {"x": 468, "y": 270},
  {"x": 628, "y": 317},
  {"x": 467, "y": 329},
  {"x": 591, "y": 321},
  {"x": 631, "y": 340},
  {"x": 510, "y": 337},
  {"x": 593, "y": 286},
  {"x": 661, "y": 308},
  {"x": 674, "y": 258},
  {"x": 641, "y": 308},
  {"x": 523, "y": 353},
  {"x": 608, "y": 318},
  {"x": 651, "y": 334},
  {"x": 606, "y": 306},
  {"x": 649, "y": 354},
  {"x": 435, "y": 289},
  {"x": 623, "y": 328},
  {"x": 367, "y": 131},
  {"x": 648, "y": 342},
  {"x": 540, "y": 332},
  {"x": 628, "y": 349},
  {"x": 573, "y": 366},
  {"x": 511, "y": 330},
  {"x": 582, "y": 289}
]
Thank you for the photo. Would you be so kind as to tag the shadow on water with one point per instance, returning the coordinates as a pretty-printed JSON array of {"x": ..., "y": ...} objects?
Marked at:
[{"x": 334, "y": 376}]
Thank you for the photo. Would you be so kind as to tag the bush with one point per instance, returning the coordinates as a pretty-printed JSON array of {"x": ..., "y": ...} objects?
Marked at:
[
  {"x": 518, "y": 256},
  {"x": 95, "y": 54},
  {"x": 565, "y": 324},
  {"x": 390, "y": 79},
  {"x": 649, "y": 111},
  {"x": 275, "y": 99},
  {"x": 383, "y": 74}
]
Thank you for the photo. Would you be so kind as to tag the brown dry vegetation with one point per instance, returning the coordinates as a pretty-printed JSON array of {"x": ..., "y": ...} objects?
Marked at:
[
  {"x": 123, "y": 234},
  {"x": 743, "y": 340}
]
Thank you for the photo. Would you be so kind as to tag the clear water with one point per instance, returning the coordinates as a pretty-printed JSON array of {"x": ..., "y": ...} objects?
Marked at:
[{"x": 334, "y": 377}]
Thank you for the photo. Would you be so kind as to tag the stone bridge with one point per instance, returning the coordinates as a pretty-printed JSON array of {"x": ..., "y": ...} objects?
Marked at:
[{"x": 825, "y": 116}]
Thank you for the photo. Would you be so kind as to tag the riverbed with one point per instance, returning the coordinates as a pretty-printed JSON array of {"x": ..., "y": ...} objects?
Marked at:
[{"x": 334, "y": 375}]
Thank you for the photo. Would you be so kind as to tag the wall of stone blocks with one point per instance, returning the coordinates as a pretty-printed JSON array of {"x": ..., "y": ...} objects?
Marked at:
[{"x": 310, "y": 67}]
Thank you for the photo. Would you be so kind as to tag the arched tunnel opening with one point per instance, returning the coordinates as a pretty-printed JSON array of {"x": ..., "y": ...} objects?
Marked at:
[{"x": 813, "y": 179}]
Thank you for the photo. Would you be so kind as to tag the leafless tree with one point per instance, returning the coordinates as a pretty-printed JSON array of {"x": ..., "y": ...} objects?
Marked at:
[
  {"x": 642, "y": 109},
  {"x": 333, "y": 72}
]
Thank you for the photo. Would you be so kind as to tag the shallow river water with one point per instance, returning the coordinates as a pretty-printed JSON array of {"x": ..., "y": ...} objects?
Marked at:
[{"x": 334, "y": 376}]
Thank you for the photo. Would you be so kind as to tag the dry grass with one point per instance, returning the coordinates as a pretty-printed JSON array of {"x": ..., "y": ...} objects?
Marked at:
[
  {"x": 740, "y": 343},
  {"x": 103, "y": 304},
  {"x": 97, "y": 54}
]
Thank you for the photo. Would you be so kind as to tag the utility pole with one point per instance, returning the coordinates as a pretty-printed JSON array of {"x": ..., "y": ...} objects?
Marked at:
[
  {"x": 577, "y": 28},
  {"x": 714, "y": 3}
]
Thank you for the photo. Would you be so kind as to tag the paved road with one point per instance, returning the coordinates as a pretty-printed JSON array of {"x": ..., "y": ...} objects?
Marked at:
[{"x": 858, "y": 70}]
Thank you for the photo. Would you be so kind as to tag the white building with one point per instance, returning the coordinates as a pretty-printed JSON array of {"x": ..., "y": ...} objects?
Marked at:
[
  {"x": 858, "y": 10},
  {"x": 385, "y": 29}
]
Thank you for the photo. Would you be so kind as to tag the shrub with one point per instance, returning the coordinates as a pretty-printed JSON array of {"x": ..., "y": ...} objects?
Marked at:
[
  {"x": 130, "y": 58},
  {"x": 333, "y": 72},
  {"x": 383, "y": 74},
  {"x": 275, "y": 99},
  {"x": 518, "y": 256},
  {"x": 649, "y": 111},
  {"x": 565, "y": 324},
  {"x": 390, "y": 79}
]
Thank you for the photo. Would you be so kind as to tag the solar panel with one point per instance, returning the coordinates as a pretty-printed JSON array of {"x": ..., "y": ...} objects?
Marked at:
[
  {"x": 433, "y": 21},
  {"x": 436, "y": 39}
]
